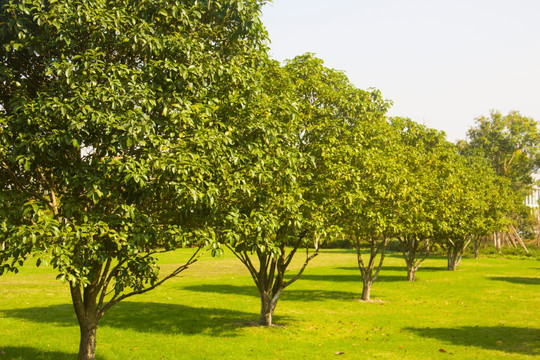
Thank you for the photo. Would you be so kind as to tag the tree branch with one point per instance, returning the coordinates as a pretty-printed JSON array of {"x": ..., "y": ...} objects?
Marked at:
[
  {"x": 296, "y": 246},
  {"x": 383, "y": 253},
  {"x": 23, "y": 188},
  {"x": 104, "y": 284},
  {"x": 297, "y": 276},
  {"x": 244, "y": 259},
  {"x": 53, "y": 204},
  {"x": 177, "y": 271}
]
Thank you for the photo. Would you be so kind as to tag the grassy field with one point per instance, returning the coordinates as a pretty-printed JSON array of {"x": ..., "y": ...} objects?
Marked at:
[{"x": 489, "y": 309}]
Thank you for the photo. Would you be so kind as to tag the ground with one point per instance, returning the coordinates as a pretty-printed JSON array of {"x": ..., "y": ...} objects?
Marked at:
[{"x": 487, "y": 309}]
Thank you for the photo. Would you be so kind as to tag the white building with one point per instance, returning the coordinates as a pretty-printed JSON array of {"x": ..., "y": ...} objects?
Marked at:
[{"x": 532, "y": 200}]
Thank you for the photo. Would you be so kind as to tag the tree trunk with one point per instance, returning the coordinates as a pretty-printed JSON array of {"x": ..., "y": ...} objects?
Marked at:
[
  {"x": 451, "y": 263},
  {"x": 454, "y": 258},
  {"x": 411, "y": 268},
  {"x": 265, "y": 319},
  {"x": 476, "y": 248},
  {"x": 410, "y": 251},
  {"x": 85, "y": 304},
  {"x": 87, "y": 345},
  {"x": 268, "y": 305},
  {"x": 497, "y": 240},
  {"x": 411, "y": 272},
  {"x": 366, "y": 290}
]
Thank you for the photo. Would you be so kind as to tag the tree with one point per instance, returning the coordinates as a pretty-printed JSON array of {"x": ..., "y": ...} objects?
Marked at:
[
  {"x": 117, "y": 126},
  {"x": 288, "y": 211},
  {"x": 423, "y": 152},
  {"x": 339, "y": 121},
  {"x": 511, "y": 144},
  {"x": 263, "y": 229},
  {"x": 469, "y": 190},
  {"x": 365, "y": 182},
  {"x": 344, "y": 130}
]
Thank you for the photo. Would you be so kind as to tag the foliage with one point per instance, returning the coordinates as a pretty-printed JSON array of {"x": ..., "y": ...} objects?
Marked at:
[
  {"x": 422, "y": 153},
  {"x": 475, "y": 199},
  {"x": 356, "y": 173},
  {"x": 332, "y": 119},
  {"x": 267, "y": 212},
  {"x": 511, "y": 143},
  {"x": 117, "y": 121},
  {"x": 293, "y": 208}
]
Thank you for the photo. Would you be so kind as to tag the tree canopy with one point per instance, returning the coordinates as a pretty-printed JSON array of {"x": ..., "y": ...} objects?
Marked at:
[
  {"x": 116, "y": 121},
  {"x": 511, "y": 143}
]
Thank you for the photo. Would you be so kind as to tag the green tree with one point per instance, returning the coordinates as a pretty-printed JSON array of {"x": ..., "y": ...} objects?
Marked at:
[
  {"x": 473, "y": 195},
  {"x": 343, "y": 131},
  {"x": 511, "y": 145},
  {"x": 263, "y": 229},
  {"x": 365, "y": 179},
  {"x": 339, "y": 125},
  {"x": 117, "y": 129},
  {"x": 423, "y": 153},
  {"x": 289, "y": 211}
]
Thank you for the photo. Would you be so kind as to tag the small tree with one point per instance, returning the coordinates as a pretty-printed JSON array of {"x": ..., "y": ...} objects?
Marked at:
[
  {"x": 264, "y": 229},
  {"x": 116, "y": 125},
  {"x": 289, "y": 209},
  {"x": 365, "y": 181},
  {"x": 422, "y": 155},
  {"x": 511, "y": 145},
  {"x": 370, "y": 217},
  {"x": 473, "y": 205},
  {"x": 342, "y": 129}
]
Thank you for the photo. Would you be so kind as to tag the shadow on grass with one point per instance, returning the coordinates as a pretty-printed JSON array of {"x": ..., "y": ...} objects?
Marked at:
[
  {"x": 149, "y": 317},
  {"x": 288, "y": 294},
  {"x": 502, "y": 338},
  {"x": 356, "y": 278},
  {"x": 398, "y": 268},
  {"x": 518, "y": 280},
  {"x": 337, "y": 251},
  {"x": 24, "y": 353}
]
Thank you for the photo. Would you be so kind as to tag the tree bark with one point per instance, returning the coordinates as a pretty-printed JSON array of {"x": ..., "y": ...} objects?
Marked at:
[
  {"x": 451, "y": 263},
  {"x": 411, "y": 267},
  {"x": 368, "y": 277},
  {"x": 411, "y": 272},
  {"x": 87, "y": 345},
  {"x": 477, "y": 248},
  {"x": 497, "y": 240},
  {"x": 366, "y": 290},
  {"x": 267, "y": 309},
  {"x": 454, "y": 258},
  {"x": 269, "y": 276},
  {"x": 411, "y": 246},
  {"x": 455, "y": 252},
  {"x": 410, "y": 254},
  {"x": 85, "y": 304}
]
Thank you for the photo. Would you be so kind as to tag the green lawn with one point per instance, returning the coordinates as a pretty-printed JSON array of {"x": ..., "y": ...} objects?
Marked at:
[{"x": 489, "y": 309}]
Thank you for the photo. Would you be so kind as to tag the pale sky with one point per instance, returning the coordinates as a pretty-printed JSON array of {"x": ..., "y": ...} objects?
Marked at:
[{"x": 442, "y": 62}]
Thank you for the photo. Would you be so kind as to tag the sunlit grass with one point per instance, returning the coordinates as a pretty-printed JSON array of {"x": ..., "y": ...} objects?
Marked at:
[{"x": 486, "y": 310}]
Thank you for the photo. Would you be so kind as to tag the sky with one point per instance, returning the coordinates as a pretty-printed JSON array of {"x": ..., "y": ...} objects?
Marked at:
[{"x": 442, "y": 63}]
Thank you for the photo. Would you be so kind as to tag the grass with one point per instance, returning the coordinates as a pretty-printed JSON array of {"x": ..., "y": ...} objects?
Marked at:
[{"x": 488, "y": 309}]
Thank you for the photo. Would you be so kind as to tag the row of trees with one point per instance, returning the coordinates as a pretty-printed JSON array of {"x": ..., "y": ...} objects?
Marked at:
[{"x": 131, "y": 128}]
